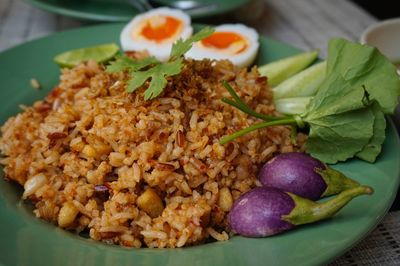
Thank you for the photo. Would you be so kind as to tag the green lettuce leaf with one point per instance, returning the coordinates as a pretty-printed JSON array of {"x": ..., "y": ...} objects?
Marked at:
[
  {"x": 374, "y": 146},
  {"x": 339, "y": 137},
  {"x": 335, "y": 96},
  {"x": 346, "y": 115},
  {"x": 364, "y": 66}
]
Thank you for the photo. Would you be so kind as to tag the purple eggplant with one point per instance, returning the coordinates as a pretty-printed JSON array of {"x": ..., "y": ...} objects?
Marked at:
[
  {"x": 266, "y": 211},
  {"x": 304, "y": 176}
]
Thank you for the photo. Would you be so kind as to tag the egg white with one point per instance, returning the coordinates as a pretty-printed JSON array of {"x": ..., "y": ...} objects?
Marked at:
[
  {"x": 132, "y": 40},
  {"x": 241, "y": 59}
]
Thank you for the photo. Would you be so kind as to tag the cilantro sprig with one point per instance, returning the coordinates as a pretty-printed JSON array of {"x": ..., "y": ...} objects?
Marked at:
[{"x": 152, "y": 69}]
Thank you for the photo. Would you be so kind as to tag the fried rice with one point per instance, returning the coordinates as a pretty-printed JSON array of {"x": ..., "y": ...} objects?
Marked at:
[{"x": 94, "y": 158}]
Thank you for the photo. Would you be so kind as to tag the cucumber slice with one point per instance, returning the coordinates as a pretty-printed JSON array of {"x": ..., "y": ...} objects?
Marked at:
[
  {"x": 304, "y": 83},
  {"x": 100, "y": 54},
  {"x": 280, "y": 70},
  {"x": 292, "y": 106}
]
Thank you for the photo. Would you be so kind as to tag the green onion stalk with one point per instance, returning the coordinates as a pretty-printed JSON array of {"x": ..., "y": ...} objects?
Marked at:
[{"x": 293, "y": 120}]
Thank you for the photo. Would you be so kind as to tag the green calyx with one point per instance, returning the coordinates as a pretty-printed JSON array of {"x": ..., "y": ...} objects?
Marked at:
[
  {"x": 336, "y": 181},
  {"x": 308, "y": 211}
]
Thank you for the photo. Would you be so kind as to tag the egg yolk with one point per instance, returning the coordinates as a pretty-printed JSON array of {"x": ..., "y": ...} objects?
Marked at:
[
  {"x": 224, "y": 40},
  {"x": 160, "y": 28}
]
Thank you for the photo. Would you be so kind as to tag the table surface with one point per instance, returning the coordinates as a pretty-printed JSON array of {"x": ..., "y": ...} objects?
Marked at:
[{"x": 307, "y": 24}]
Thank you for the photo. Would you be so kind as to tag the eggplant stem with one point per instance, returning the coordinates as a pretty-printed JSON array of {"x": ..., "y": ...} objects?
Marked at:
[{"x": 307, "y": 211}]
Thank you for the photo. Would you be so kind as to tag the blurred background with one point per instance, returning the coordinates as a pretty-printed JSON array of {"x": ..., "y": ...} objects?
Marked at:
[{"x": 383, "y": 9}]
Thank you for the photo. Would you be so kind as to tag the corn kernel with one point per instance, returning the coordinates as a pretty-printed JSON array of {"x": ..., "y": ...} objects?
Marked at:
[
  {"x": 225, "y": 200},
  {"x": 150, "y": 203},
  {"x": 77, "y": 144},
  {"x": 67, "y": 214},
  {"x": 89, "y": 151}
]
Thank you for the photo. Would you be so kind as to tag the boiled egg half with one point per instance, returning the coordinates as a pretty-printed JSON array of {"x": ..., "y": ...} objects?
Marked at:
[
  {"x": 235, "y": 42},
  {"x": 156, "y": 31}
]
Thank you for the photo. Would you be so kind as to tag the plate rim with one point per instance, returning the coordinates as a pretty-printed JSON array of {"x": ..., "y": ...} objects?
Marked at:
[
  {"x": 72, "y": 13},
  {"x": 78, "y": 14},
  {"x": 359, "y": 237}
]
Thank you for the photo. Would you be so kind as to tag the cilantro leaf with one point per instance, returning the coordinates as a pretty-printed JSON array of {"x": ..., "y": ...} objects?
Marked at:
[
  {"x": 152, "y": 69},
  {"x": 182, "y": 46},
  {"x": 126, "y": 63},
  {"x": 157, "y": 76},
  {"x": 137, "y": 79}
]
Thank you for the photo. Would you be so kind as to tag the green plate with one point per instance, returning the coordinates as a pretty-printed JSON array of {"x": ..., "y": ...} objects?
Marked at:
[
  {"x": 26, "y": 240},
  {"x": 122, "y": 10}
]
